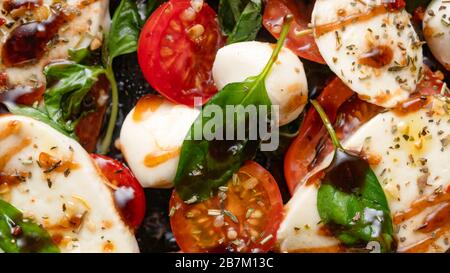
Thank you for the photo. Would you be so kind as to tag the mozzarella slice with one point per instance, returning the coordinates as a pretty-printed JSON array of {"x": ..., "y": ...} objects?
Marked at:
[
  {"x": 86, "y": 29},
  {"x": 436, "y": 29},
  {"x": 286, "y": 84},
  {"x": 412, "y": 162},
  {"x": 375, "y": 52},
  {"x": 55, "y": 182},
  {"x": 151, "y": 138}
]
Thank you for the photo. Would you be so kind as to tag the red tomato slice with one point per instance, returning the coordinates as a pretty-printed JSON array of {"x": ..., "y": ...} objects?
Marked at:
[
  {"x": 177, "y": 48},
  {"x": 274, "y": 13},
  {"x": 251, "y": 214},
  {"x": 121, "y": 179}
]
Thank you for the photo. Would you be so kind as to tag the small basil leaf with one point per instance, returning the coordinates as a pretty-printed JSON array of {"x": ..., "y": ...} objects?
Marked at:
[
  {"x": 214, "y": 162},
  {"x": 353, "y": 205},
  {"x": 19, "y": 235},
  {"x": 125, "y": 29},
  {"x": 245, "y": 22},
  {"x": 41, "y": 115},
  {"x": 73, "y": 81},
  {"x": 248, "y": 25},
  {"x": 206, "y": 164},
  {"x": 229, "y": 13}
]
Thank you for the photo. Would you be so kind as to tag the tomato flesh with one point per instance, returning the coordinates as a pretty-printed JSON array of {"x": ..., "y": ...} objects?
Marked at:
[
  {"x": 274, "y": 13},
  {"x": 177, "y": 48},
  {"x": 243, "y": 216},
  {"x": 128, "y": 193}
]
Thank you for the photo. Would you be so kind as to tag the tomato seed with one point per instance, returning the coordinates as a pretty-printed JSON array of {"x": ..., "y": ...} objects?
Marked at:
[
  {"x": 166, "y": 52},
  {"x": 188, "y": 15}
]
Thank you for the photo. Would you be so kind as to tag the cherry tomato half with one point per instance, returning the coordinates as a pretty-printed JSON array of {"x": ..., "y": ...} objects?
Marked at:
[
  {"x": 177, "y": 48},
  {"x": 243, "y": 217},
  {"x": 128, "y": 193},
  {"x": 274, "y": 13}
]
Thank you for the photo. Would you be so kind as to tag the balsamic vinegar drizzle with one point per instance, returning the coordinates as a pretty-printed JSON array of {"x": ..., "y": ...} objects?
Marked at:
[
  {"x": 28, "y": 42},
  {"x": 348, "y": 169}
]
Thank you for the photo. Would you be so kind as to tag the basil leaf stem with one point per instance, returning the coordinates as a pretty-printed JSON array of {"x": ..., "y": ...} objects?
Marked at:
[
  {"x": 122, "y": 39},
  {"x": 350, "y": 200},
  {"x": 328, "y": 125},
  {"x": 205, "y": 165}
]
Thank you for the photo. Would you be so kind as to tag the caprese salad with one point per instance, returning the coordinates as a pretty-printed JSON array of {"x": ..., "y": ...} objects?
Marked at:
[{"x": 101, "y": 115}]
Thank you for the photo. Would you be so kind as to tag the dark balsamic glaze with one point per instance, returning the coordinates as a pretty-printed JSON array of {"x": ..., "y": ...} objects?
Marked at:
[
  {"x": 28, "y": 42},
  {"x": 347, "y": 172},
  {"x": 377, "y": 57},
  {"x": 11, "y": 5}
]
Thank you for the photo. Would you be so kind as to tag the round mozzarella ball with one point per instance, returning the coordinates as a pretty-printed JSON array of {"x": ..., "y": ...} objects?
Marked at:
[
  {"x": 151, "y": 138},
  {"x": 377, "y": 53},
  {"x": 286, "y": 84},
  {"x": 436, "y": 29}
]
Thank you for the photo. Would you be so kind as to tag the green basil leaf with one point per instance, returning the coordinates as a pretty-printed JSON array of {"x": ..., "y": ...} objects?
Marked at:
[
  {"x": 206, "y": 164},
  {"x": 73, "y": 81},
  {"x": 79, "y": 55},
  {"x": 356, "y": 212},
  {"x": 215, "y": 161},
  {"x": 244, "y": 22},
  {"x": 229, "y": 13},
  {"x": 41, "y": 115},
  {"x": 28, "y": 238},
  {"x": 412, "y": 5},
  {"x": 248, "y": 25},
  {"x": 125, "y": 29}
]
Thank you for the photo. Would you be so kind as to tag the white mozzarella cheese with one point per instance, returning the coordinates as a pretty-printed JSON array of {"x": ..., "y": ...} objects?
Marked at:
[
  {"x": 436, "y": 29},
  {"x": 300, "y": 229},
  {"x": 286, "y": 84},
  {"x": 375, "y": 52},
  {"x": 86, "y": 29},
  {"x": 61, "y": 188},
  {"x": 411, "y": 159},
  {"x": 151, "y": 138}
]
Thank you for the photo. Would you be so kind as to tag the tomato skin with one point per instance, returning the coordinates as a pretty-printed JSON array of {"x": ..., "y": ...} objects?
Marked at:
[
  {"x": 274, "y": 13},
  {"x": 396, "y": 5},
  {"x": 119, "y": 175},
  {"x": 176, "y": 54},
  {"x": 183, "y": 227}
]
